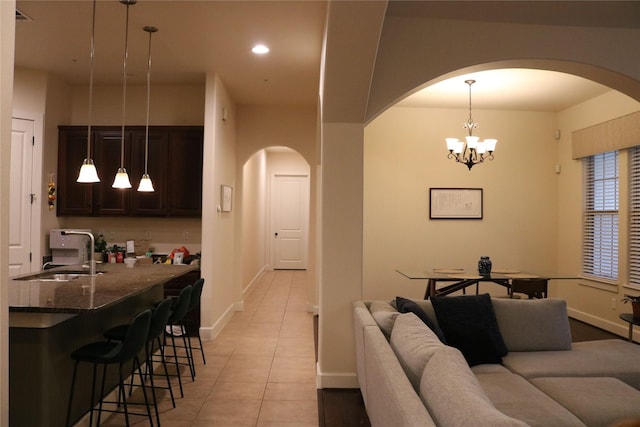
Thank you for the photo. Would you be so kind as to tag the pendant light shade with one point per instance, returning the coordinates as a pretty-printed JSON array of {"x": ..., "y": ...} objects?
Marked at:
[
  {"x": 122, "y": 178},
  {"x": 145, "y": 182},
  {"x": 88, "y": 172},
  {"x": 146, "y": 186}
]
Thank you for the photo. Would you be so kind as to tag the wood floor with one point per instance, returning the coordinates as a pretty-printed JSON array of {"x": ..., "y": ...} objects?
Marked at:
[{"x": 345, "y": 408}]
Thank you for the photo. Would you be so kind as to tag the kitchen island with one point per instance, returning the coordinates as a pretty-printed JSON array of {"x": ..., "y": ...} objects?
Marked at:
[{"x": 49, "y": 318}]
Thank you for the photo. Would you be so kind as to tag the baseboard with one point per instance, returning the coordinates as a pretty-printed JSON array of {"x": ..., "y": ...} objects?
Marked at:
[
  {"x": 208, "y": 333},
  {"x": 599, "y": 322},
  {"x": 336, "y": 379},
  {"x": 247, "y": 290}
]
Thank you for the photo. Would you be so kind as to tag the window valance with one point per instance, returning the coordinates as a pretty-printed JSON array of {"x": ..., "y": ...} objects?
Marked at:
[{"x": 615, "y": 134}]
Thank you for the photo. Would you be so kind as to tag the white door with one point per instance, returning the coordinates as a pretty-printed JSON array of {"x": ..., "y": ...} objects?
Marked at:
[
  {"x": 290, "y": 221},
  {"x": 21, "y": 197}
]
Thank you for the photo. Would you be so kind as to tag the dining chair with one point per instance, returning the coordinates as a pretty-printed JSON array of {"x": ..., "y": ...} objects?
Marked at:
[{"x": 533, "y": 288}]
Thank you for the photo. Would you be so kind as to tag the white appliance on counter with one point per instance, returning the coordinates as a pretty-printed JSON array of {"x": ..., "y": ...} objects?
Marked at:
[{"x": 69, "y": 249}]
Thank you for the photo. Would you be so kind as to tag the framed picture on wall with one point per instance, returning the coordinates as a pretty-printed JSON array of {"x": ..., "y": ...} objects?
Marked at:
[
  {"x": 455, "y": 203},
  {"x": 226, "y": 198}
]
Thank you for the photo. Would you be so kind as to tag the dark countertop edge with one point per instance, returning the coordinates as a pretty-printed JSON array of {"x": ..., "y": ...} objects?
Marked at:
[
  {"x": 75, "y": 311},
  {"x": 33, "y": 320},
  {"x": 68, "y": 310}
]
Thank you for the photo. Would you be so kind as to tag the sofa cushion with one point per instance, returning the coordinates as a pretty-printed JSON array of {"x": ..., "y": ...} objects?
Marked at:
[
  {"x": 516, "y": 397},
  {"x": 598, "y": 402},
  {"x": 413, "y": 343},
  {"x": 533, "y": 325},
  {"x": 384, "y": 315},
  {"x": 470, "y": 325},
  {"x": 391, "y": 401},
  {"x": 603, "y": 358},
  {"x": 406, "y": 305},
  {"x": 453, "y": 395}
]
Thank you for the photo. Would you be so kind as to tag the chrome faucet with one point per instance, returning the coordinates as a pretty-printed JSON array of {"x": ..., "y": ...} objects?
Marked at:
[{"x": 92, "y": 262}]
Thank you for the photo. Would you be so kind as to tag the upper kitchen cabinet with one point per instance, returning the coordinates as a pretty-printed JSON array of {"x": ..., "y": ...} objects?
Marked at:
[
  {"x": 106, "y": 148},
  {"x": 174, "y": 165},
  {"x": 73, "y": 198},
  {"x": 155, "y": 203},
  {"x": 184, "y": 173}
]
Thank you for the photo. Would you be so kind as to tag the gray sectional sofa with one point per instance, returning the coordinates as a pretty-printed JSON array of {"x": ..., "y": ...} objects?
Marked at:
[{"x": 409, "y": 377}]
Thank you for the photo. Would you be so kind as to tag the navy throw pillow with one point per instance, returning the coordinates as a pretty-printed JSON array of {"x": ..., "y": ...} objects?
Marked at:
[
  {"x": 469, "y": 324},
  {"x": 405, "y": 305}
]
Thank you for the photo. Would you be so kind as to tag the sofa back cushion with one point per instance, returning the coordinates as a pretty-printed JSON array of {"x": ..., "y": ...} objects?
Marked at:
[
  {"x": 384, "y": 315},
  {"x": 413, "y": 343},
  {"x": 533, "y": 325},
  {"x": 453, "y": 396}
]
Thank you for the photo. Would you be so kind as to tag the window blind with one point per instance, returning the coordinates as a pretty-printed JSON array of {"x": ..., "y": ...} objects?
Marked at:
[
  {"x": 634, "y": 216},
  {"x": 600, "y": 229}
]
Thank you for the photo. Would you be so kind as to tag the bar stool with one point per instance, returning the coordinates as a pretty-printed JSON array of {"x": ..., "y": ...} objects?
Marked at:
[
  {"x": 178, "y": 313},
  {"x": 109, "y": 352},
  {"x": 159, "y": 317},
  {"x": 191, "y": 322}
]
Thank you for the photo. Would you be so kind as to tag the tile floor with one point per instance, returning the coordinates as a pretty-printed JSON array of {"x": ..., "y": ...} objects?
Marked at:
[{"x": 260, "y": 370}]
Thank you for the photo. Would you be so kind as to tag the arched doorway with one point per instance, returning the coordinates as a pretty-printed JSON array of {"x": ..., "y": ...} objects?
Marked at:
[{"x": 275, "y": 212}]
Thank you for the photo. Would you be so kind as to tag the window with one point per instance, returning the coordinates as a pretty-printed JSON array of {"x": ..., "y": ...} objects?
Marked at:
[
  {"x": 634, "y": 216},
  {"x": 600, "y": 233}
]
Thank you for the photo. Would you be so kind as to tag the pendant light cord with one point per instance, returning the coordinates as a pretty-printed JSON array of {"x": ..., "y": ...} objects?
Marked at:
[
  {"x": 124, "y": 85},
  {"x": 146, "y": 138},
  {"x": 91, "y": 55}
]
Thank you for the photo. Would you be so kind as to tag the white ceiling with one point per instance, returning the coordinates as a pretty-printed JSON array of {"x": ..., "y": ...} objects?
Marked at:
[
  {"x": 513, "y": 89},
  {"x": 194, "y": 37},
  {"x": 199, "y": 36}
]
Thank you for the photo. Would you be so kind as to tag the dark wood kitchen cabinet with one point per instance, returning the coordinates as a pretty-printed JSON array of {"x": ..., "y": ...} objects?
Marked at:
[
  {"x": 174, "y": 165},
  {"x": 106, "y": 146},
  {"x": 72, "y": 198},
  {"x": 150, "y": 204}
]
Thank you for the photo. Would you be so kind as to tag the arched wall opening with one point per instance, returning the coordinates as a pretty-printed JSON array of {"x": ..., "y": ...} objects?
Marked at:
[
  {"x": 258, "y": 239},
  {"x": 532, "y": 191}
]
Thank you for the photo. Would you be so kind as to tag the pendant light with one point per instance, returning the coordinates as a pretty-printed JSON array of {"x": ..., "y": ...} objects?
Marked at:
[
  {"x": 145, "y": 182},
  {"x": 122, "y": 178},
  {"x": 88, "y": 172}
]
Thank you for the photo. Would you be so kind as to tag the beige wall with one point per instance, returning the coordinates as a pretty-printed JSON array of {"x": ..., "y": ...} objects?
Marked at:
[
  {"x": 169, "y": 105},
  {"x": 594, "y": 302},
  {"x": 7, "y": 36},
  {"x": 222, "y": 292},
  {"x": 405, "y": 154},
  {"x": 254, "y": 217}
]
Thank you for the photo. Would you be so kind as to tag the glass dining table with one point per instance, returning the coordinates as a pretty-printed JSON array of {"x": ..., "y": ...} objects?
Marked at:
[{"x": 462, "y": 280}]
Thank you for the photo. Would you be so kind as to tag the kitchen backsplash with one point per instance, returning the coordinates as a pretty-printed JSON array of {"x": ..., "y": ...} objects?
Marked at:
[{"x": 164, "y": 234}]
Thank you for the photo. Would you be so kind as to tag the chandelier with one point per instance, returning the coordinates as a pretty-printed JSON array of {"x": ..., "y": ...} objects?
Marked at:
[{"x": 471, "y": 151}]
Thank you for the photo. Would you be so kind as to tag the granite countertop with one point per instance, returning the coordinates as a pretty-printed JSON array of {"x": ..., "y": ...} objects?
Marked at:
[{"x": 86, "y": 293}]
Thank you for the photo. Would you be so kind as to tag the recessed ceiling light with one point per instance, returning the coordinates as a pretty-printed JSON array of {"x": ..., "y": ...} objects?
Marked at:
[{"x": 260, "y": 49}]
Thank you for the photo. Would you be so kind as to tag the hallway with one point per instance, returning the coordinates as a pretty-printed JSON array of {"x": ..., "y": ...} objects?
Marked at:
[{"x": 260, "y": 370}]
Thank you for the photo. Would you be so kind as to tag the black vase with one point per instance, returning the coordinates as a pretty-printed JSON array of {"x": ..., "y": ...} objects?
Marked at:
[{"x": 484, "y": 266}]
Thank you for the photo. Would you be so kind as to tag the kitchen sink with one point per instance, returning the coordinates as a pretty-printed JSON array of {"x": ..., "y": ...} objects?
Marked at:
[{"x": 61, "y": 276}]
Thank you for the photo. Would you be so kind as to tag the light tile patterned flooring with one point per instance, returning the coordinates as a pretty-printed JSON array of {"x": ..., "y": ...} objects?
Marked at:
[{"x": 260, "y": 370}]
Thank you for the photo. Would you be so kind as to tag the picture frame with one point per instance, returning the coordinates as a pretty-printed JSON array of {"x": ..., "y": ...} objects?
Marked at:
[
  {"x": 455, "y": 203},
  {"x": 226, "y": 198}
]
